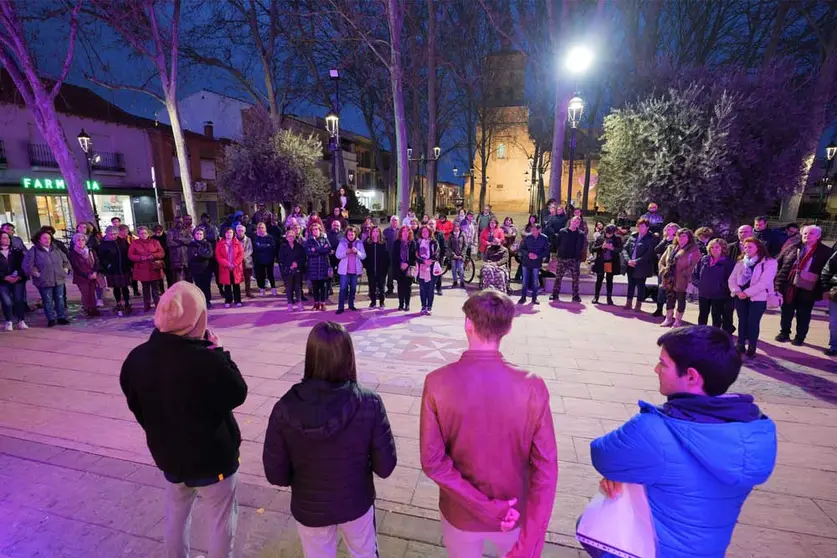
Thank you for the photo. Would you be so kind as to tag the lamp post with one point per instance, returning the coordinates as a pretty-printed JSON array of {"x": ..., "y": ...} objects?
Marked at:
[
  {"x": 332, "y": 123},
  {"x": 575, "y": 109},
  {"x": 86, "y": 144},
  {"x": 531, "y": 185},
  {"x": 422, "y": 169},
  {"x": 825, "y": 190},
  {"x": 464, "y": 175}
]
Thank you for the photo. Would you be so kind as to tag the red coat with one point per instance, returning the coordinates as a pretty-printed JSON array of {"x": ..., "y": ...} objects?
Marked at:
[
  {"x": 445, "y": 226},
  {"x": 145, "y": 269},
  {"x": 498, "y": 234},
  {"x": 222, "y": 256}
]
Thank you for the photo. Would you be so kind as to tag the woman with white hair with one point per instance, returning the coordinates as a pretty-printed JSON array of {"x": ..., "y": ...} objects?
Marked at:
[{"x": 85, "y": 264}]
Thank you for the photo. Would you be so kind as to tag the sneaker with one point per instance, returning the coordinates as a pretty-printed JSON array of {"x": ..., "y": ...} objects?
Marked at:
[
  {"x": 353, "y": 308},
  {"x": 290, "y": 307},
  {"x": 783, "y": 338},
  {"x": 595, "y": 300},
  {"x": 521, "y": 300},
  {"x": 261, "y": 292},
  {"x": 576, "y": 298},
  {"x": 830, "y": 352},
  {"x": 119, "y": 314},
  {"x": 227, "y": 305},
  {"x": 300, "y": 307},
  {"x": 51, "y": 323},
  {"x": 275, "y": 293},
  {"x": 751, "y": 352},
  {"x": 373, "y": 304},
  {"x": 63, "y": 321},
  {"x": 238, "y": 305},
  {"x": 741, "y": 349},
  {"x": 429, "y": 311},
  {"x": 423, "y": 311},
  {"x": 797, "y": 342},
  {"x": 100, "y": 303},
  {"x": 535, "y": 302},
  {"x": 439, "y": 293},
  {"x": 10, "y": 326},
  {"x": 22, "y": 325},
  {"x": 555, "y": 298},
  {"x": 339, "y": 311}
]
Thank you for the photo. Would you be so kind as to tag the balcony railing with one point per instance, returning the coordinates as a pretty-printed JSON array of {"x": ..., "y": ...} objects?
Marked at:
[
  {"x": 3, "y": 161},
  {"x": 104, "y": 161},
  {"x": 41, "y": 156}
]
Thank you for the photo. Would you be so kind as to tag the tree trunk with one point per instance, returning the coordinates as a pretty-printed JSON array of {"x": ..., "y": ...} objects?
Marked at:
[
  {"x": 556, "y": 161},
  {"x": 587, "y": 170},
  {"x": 182, "y": 156},
  {"x": 430, "y": 208},
  {"x": 53, "y": 133},
  {"x": 395, "y": 14}
]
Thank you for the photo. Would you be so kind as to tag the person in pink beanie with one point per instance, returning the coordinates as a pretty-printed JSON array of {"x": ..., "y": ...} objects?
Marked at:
[{"x": 182, "y": 386}]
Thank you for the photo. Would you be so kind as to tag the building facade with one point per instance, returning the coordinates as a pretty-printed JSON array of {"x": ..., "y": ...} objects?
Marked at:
[{"x": 32, "y": 190}]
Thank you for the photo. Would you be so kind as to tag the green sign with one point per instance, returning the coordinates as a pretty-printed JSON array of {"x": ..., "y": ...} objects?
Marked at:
[{"x": 54, "y": 184}]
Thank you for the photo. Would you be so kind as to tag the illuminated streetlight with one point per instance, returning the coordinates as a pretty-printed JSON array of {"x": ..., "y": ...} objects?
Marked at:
[
  {"x": 575, "y": 108},
  {"x": 830, "y": 151},
  {"x": 579, "y": 59},
  {"x": 86, "y": 144}
]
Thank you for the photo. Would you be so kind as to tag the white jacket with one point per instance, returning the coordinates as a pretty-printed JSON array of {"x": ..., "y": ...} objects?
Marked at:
[
  {"x": 342, "y": 255},
  {"x": 761, "y": 283}
]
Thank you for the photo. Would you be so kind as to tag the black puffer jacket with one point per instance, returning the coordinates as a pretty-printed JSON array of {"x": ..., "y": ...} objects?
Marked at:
[
  {"x": 377, "y": 259},
  {"x": 201, "y": 256},
  {"x": 785, "y": 264},
  {"x": 828, "y": 276},
  {"x": 182, "y": 394},
  {"x": 325, "y": 440}
]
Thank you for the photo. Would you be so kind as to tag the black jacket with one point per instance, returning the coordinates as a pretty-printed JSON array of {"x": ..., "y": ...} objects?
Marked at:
[
  {"x": 645, "y": 256},
  {"x": 531, "y": 245},
  {"x": 785, "y": 263},
  {"x": 615, "y": 254},
  {"x": 828, "y": 275},
  {"x": 201, "y": 256},
  {"x": 397, "y": 272},
  {"x": 377, "y": 259},
  {"x": 12, "y": 264},
  {"x": 570, "y": 244},
  {"x": 554, "y": 224},
  {"x": 712, "y": 281},
  {"x": 264, "y": 249},
  {"x": 182, "y": 394},
  {"x": 113, "y": 257},
  {"x": 288, "y": 255},
  {"x": 325, "y": 440}
]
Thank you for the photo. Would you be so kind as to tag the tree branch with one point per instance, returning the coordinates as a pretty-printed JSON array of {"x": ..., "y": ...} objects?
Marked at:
[
  {"x": 125, "y": 87},
  {"x": 71, "y": 47}
]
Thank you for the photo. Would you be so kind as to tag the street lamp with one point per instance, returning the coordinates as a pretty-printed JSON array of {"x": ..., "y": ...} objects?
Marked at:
[
  {"x": 332, "y": 124},
  {"x": 830, "y": 150},
  {"x": 825, "y": 189},
  {"x": 422, "y": 169},
  {"x": 86, "y": 144},
  {"x": 532, "y": 194},
  {"x": 579, "y": 59},
  {"x": 575, "y": 109}
]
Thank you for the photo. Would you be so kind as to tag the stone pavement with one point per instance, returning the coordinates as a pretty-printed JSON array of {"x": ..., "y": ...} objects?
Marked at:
[{"x": 76, "y": 479}]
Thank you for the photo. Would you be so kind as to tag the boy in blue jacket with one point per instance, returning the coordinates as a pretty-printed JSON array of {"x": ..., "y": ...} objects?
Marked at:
[{"x": 700, "y": 454}]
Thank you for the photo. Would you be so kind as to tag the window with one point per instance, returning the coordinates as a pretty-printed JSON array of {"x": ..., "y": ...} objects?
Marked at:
[
  {"x": 208, "y": 169},
  {"x": 498, "y": 187},
  {"x": 501, "y": 151}
]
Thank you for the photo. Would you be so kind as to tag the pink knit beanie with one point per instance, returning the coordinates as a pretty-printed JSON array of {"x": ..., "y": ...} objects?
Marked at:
[{"x": 182, "y": 311}]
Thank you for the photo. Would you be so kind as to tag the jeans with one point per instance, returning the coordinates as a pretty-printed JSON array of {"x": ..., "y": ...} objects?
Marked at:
[
  {"x": 469, "y": 544},
  {"x": 348, "y": 280},
  {"x": 832, "y": 324},
  {"x": 358, "y": 534},
  {"x": 715, "y": 306},
  {"x": 405, "y": 287},
  {"x": 749, "y": 320},
  {"x": 802, "y": 309},
  {"x": 150, "y": 290},
  {"x": 264, "y": 271},
  {"x": 677, "y": 297},
  {"x": 204, "y": 281},
  {"x": 320, "y": 289},
  {"x": 427, "y": 293},
  {"x": 13, "y": 301},
  {"x": 53, "y": 298},
  {"x": 293, "y": 287},
  {"x": 636, "y": 284},
  {"x": 457, "y": 270},
  {"x": 222, "y": 516},
  {"x": 530, "y": 281}
]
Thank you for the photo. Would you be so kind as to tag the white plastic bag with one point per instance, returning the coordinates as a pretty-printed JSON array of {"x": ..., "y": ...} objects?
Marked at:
[{"x": 621, "y": 526}]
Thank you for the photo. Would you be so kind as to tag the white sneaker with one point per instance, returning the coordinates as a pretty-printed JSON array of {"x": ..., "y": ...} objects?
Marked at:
[
  {"x": 119, "y": 314},
  {"x": 238, "y": 305},
  {"x": 9, "y": 326},
  {"x": 227, "y": 305},
  {"x": 21, "y": 325},
  {"x": 300, "y": 307},
  {"x": 290, "y": 307},
  {"x": 100, "y": 303},
  {"x": 261, "y": 292},
  {"x": 275, "y": 293}
]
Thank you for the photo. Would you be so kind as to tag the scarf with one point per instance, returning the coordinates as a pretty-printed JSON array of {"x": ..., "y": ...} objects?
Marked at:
[
  {"x": 84, "y": 253},
  {"x": 802, "y": 261},
  {"x": 747, "y": 273},
  {"x": 405, "y": 251},
  {"x": 425, "y": 269}
]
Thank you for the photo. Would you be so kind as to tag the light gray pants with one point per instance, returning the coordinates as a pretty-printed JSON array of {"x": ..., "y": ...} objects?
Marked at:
[
  {"x": 469, "y": 544},
  {"x": 223, "y": 504},
  {"x": 359, "y": 536}
]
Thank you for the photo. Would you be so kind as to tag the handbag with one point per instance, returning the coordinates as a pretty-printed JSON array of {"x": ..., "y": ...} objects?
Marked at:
[
  {"x": 805, "y": 280},
  {"x": 437, "y": 269},
  {"x": 158, "y": 264},
  {"x": 774, "y": 300},
  {"x": 412, "y": 271}
]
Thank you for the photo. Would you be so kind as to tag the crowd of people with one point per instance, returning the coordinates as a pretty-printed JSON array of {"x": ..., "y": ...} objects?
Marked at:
[
  {"x": 698, "y": 456},
  {"x": 743, "y": 276}
]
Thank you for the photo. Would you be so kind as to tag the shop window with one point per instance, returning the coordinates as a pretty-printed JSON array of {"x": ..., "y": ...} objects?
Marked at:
[
  {"x": 501, "y": 151},
  {"x": 208, "y": 169}
]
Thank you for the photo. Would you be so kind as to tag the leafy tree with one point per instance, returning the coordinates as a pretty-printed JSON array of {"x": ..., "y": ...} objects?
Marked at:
[
  {"x": 270, "y": 165},
  {"x": 713, "y": 148}
]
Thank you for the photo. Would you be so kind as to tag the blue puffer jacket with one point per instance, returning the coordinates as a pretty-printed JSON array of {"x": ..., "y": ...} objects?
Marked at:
[{"x": 698, "y": 458}]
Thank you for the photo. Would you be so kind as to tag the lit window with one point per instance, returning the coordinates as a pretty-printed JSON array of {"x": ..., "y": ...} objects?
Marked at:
[{"x": 501, "y": 151}]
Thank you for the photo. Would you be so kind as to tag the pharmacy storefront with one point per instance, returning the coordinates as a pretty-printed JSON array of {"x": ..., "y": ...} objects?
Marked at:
[{"x": 34, "y": 202}]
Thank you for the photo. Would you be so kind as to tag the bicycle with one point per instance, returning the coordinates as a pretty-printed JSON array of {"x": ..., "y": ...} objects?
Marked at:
[{"x": 469, "y": 268}]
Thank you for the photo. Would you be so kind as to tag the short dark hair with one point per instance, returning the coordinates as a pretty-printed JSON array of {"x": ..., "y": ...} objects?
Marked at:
[
  {"x": 643, "y": 221},
  {"x": 709, "y": 350},
  {"x": 491, "y": 312},
  {"x": 112, "y": 219},
  {"x": 205, "y": 215},
  {"x": 792, "y": 226},
  {"x": 330, "y": 354},
  {"x": 36, "y": 238},
  {"x": 760, "y": 218}
]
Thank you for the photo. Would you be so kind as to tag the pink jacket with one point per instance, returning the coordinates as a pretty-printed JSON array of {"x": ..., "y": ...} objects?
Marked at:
[{"x": 487, "y": 437}]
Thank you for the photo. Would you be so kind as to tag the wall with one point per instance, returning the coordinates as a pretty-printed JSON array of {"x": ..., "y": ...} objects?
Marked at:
[{"x": 223, "y": 111}]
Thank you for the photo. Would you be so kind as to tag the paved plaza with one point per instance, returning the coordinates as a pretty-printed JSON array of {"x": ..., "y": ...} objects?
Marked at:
[{"x": 76, "y": 478}]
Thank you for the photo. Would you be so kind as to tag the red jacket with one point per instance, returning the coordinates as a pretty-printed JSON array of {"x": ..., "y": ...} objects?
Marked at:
[
  {"x": 145, "y": 269},
  {"x": 498, "y": 234},
  {"x": 487, "y": 437},
  {"x": 222, "y": 255},
  {"x": 445, "y": 226}
]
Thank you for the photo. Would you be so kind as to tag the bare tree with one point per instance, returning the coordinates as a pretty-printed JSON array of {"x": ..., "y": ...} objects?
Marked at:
[
  {"x": 142, "y": 25},
  {"x": 39, "y": 94}
]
